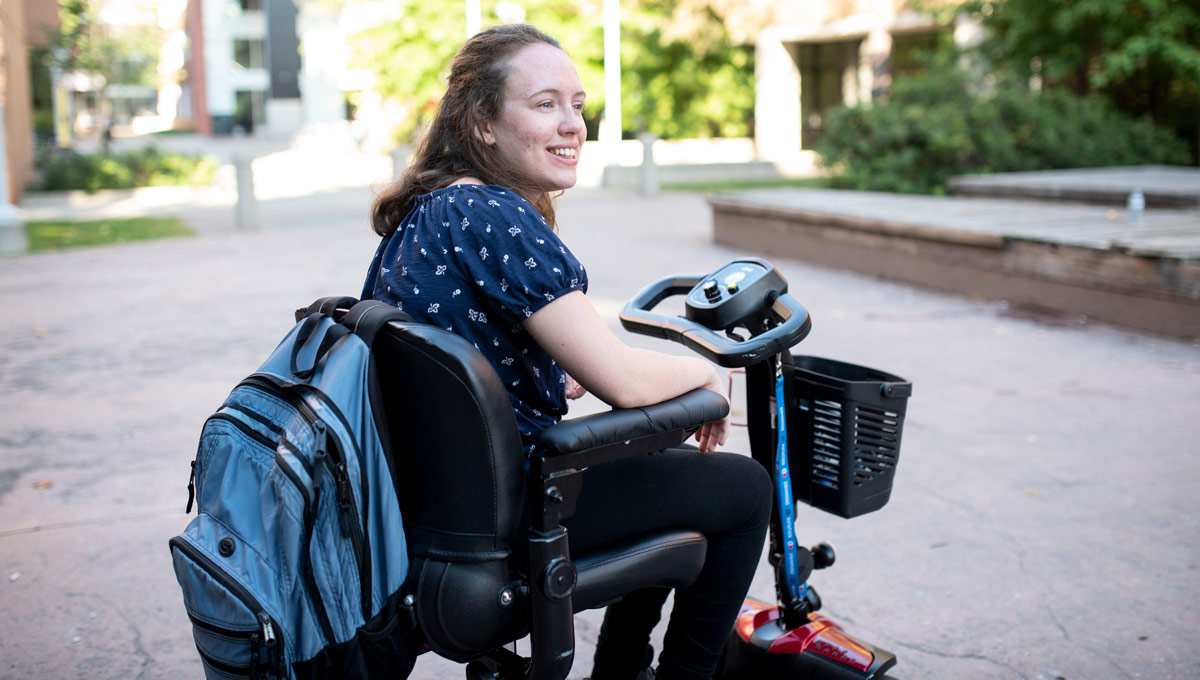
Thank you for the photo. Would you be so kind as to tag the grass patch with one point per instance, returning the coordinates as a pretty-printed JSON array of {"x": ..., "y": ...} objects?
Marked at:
[
  {"x": 741, "y": 185},
  {"x": 58, "y": 235}
]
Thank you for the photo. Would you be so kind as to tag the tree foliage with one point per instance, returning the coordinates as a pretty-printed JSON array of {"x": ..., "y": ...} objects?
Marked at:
[
  {"x": 126, "y": 54},
  {"x": 1142, "y": 55},
  {"x": 681, "y": 74}
]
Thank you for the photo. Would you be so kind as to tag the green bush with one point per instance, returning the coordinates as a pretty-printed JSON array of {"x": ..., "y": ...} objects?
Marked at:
[
  {"x": 933, "y": 127},
  {"x": 65, "y": 169}
]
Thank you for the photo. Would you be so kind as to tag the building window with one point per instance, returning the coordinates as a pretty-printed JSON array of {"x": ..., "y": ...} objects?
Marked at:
[
  {"x": 249, "y": 109},
  {"x": 248, "y": 53},
  {"x": 828, "y": 73}
]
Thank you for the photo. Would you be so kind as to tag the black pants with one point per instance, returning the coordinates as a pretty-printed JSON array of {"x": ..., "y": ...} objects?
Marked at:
[{"x": 727, "y": 497}]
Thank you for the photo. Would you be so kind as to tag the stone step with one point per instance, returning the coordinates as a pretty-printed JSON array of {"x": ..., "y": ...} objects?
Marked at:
[{"x": 1163, "y": 186}]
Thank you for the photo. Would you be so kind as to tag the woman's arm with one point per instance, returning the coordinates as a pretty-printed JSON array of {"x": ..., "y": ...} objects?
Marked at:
[{"x": 571, "y": 332}]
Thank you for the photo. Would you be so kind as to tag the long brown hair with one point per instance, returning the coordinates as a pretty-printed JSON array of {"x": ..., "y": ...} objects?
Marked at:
[{"x": 450, "y": 150}]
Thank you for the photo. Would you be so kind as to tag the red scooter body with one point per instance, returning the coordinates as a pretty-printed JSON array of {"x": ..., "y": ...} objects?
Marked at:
[{"x": 760, "y": 648}]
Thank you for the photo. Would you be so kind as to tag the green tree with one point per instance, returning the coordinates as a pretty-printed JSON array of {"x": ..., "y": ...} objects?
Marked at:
[
  {"x": 1142, "y": 55},
  {"x": 125, "y": 54},
  {"x": 681, "y": 74}
]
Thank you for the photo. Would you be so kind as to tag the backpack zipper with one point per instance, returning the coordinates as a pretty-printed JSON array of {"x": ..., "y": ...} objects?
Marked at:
[
  {"x": 356, "y": 529},
  {"x": 266, "y": 625},
  {"x": 351, "y": 524}
]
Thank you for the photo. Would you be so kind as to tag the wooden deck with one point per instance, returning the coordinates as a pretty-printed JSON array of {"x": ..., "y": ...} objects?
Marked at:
[{"x": 1070, "y": 257}]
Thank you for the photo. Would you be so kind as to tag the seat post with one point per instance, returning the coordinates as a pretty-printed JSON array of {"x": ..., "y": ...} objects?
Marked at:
[{"x": 552, "y": 575}]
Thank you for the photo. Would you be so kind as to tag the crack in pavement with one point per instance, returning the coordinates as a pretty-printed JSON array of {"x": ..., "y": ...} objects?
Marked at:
[
  {"x": 138, "y": 648},
  {"x": 89, "y": 522},
  {"x": 970, "y": 657}
]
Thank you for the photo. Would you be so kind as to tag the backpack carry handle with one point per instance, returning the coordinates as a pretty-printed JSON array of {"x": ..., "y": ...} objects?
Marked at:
[
  {"x": 311, "y": 317},
  {"x": 365, "y": 319},
  {"x": 302, "y": 339}
]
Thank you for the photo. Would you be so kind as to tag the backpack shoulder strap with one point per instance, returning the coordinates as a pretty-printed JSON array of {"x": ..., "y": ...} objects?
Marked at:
[
  {"x": 368, "y": 316},
  {"x": 327, "y": 306}
]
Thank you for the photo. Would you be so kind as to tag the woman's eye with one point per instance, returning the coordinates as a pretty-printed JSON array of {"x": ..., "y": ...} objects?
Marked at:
[
  {"x": 546, "y": 105},
  {"x": 578, "y": 108}
]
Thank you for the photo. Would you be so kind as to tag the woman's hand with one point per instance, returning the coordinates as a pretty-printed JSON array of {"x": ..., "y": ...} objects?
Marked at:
[
  {"x": 711, "y": 435},
  {"x": 574, "y": 389}
]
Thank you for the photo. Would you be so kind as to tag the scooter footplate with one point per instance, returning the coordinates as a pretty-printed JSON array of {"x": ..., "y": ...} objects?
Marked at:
[{"x": 760, "y": 648}]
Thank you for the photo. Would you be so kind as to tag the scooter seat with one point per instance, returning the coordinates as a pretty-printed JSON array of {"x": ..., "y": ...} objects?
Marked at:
[{"x": 666, "y": 558}]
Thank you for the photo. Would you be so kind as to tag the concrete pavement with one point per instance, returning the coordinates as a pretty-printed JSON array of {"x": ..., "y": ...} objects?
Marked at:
[{"x": 1043, "y": 523}]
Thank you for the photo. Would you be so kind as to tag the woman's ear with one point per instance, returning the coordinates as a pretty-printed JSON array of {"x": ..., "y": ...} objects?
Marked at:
[{"x": 484, "y": 134}]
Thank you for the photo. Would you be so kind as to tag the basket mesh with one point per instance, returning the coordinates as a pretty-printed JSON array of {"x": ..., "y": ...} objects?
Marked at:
[
  {"x": 827, "y": 443},
  {"x": 875, "y": 437},
  {"x": 875, "y": 443}
]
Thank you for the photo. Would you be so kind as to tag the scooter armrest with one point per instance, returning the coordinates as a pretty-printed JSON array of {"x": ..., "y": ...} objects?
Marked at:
[{"x": 622, "y": 433}]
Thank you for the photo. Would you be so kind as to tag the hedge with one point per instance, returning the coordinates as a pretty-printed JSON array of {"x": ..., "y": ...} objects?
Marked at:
[{"x": 934, "y": 127}]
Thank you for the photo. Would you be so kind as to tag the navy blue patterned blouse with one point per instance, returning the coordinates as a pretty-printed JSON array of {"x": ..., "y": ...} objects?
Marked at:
[{"x": 477, "y": 261}]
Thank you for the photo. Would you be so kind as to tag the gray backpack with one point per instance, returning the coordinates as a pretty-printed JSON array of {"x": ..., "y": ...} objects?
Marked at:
[{"x": 293, "y": 565}]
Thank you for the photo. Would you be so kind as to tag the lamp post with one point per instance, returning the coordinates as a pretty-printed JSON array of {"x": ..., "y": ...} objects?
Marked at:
[
  {"x": 12, "y": 231},
  {"x": 474, "y": 17},
  {"x": 610, "y": 129}
]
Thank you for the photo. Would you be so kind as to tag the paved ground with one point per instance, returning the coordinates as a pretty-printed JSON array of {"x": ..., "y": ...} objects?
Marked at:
[{"x": 1043, "y": 523}]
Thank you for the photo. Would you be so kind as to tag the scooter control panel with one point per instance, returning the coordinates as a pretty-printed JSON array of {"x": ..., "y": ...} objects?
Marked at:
[{"x": 733, "y": 293}]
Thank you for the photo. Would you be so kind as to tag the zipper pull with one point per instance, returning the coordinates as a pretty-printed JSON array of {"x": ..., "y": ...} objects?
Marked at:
[
  {"x": 191, "y": 489},
  {"x": 254, "y": 648},
  {"x": 319, "y": 444},
  {"x": 345, "y": 497},
  {"x": 319, "y": 440},
  {"x": 268, "y": 629},
  {"x": 269, "y": 656}
]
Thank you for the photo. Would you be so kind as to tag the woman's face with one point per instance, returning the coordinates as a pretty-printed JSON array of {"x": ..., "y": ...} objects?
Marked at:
[{"x": 540, "y": 125}]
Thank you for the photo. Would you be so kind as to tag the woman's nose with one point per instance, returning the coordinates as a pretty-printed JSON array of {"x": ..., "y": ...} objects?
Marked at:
[{"x": 572, "y": 123}]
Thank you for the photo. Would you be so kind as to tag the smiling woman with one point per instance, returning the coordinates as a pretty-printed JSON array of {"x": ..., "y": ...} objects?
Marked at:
[{"x": 470, "y": 245}]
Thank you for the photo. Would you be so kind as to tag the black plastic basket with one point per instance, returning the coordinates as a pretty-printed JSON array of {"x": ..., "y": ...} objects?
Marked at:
[{"x": 845, "y": 440}]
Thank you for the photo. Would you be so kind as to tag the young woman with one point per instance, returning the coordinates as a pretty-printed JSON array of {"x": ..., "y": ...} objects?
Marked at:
[{"x": 470, "y": 245}]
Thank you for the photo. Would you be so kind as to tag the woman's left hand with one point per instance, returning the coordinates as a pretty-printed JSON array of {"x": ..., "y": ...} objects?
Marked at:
[
  {"x": 574, "y": 389},
  {"x": 711, "y": 435}
]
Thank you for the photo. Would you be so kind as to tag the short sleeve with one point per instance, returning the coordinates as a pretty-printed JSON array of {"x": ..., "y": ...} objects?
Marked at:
[{"x": 506, "y": 248}]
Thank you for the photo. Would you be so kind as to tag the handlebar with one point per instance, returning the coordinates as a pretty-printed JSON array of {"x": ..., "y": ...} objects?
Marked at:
[{"x": 792, "y": 318}]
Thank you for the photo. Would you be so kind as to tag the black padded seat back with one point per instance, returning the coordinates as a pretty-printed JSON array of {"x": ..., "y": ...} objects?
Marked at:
[{"x": 460, "y": 466}]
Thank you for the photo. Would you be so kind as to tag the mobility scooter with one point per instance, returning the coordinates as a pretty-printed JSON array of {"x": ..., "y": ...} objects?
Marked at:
[{"x": 490, "y": 560}]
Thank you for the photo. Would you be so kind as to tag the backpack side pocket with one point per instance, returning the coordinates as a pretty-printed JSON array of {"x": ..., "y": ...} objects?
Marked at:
[{"x": 236, "y": 635}]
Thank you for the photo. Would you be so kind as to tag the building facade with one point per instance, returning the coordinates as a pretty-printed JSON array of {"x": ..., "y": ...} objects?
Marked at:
[
  {"x": 820, "y": 54},
  {"x": 273, "y": 64}
]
